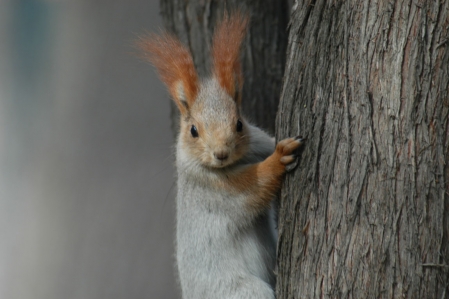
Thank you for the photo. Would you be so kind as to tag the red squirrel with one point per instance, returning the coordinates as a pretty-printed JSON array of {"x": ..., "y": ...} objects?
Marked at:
[{"x": 228, "y": 170}]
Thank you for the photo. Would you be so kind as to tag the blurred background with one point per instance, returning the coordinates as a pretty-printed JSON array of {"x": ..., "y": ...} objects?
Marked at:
[{"x": 86, "y": 153}]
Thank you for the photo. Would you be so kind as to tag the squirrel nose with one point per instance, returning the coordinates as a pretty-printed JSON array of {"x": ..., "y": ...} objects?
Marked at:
[{"x": 221, "y": 155}]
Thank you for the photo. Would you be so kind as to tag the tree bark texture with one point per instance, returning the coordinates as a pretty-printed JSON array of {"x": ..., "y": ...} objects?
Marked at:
[
  {"x": 264, "y": 49},
  {"x": 365, "y": 215}
]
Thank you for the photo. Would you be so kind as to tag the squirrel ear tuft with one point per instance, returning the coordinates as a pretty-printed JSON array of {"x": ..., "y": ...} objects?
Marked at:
[
  {"x": 226, "y": 44},
  {"x": 175, "y": 66}
]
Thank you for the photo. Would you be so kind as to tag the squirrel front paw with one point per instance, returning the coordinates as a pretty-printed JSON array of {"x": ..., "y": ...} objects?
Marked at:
[
  {"x": 285, "y": 149},
  {"x": 266, "y": 177}
]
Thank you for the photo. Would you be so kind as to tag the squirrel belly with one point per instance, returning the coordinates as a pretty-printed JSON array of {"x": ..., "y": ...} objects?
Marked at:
[{"x": 222, "y": 250}]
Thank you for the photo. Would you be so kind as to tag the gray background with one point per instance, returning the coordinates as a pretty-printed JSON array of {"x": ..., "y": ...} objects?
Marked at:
[{"x": 86, "y": 154}]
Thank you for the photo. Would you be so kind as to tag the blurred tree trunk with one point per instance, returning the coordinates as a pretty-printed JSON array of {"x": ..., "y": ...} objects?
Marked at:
[
  {"x": 366, "y": 213},
  {"x": 264, "y": 49}
]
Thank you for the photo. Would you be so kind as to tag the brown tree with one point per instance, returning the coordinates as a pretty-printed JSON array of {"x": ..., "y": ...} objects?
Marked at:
[
  {"x": 264, "y": 49},
  {"x": 366, "y": 213}
]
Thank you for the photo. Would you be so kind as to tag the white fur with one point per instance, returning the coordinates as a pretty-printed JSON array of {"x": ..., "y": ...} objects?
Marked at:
[{"x": 223, "y": 252}]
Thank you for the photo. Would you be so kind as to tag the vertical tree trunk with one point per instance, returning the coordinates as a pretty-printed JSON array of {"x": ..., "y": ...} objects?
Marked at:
[
  {"x": 365, "y": 215},
  {"x": 263, "y": 50}
]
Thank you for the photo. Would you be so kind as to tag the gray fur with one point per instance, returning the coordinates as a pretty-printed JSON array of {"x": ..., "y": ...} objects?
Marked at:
[{"x": 223, "y": 252}]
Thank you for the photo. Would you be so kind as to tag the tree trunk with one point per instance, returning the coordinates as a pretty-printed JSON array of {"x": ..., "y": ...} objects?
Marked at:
[
  {"x": 263, "y": 50},
  {"x": 366, "y": 213}
]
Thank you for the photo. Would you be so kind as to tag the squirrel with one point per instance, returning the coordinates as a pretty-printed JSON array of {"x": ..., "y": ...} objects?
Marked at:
[{"x": 228, "y": 171}]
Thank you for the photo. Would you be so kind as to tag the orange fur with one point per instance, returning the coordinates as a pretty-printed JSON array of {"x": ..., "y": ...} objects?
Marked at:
[
  {"x": 174, "y": 64},
  {"x": 267, "y": 178},
  {"x": 227, "y": 40},
  {"x": 263, "y": 179}
]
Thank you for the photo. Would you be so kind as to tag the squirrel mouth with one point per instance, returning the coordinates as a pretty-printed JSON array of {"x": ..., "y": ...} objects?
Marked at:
[{"x": 220, "y": 164}]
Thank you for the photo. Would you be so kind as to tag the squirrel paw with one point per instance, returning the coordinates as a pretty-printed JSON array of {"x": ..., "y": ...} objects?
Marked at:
[{"x": 286, "y": 148}]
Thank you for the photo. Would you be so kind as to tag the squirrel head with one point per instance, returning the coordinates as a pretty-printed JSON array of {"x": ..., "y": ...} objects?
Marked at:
[{"x": 213, "y": 131}]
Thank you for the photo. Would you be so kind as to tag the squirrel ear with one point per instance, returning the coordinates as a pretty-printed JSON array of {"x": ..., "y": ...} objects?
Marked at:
[
  {"x": 226, "y": 44},
  {"x": 175, "y": 66},
  {"x": 180, "y": 94}
]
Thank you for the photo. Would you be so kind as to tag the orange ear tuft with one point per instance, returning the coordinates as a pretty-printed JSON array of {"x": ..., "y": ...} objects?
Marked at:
[
  {"x": 175, "y": 66},
  {"x": 226, "y": 51}
]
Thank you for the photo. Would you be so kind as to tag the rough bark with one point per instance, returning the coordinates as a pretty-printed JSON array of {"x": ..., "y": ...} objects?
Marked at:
[
  {"x": 365, "y": 215},
  {"x": 264, "y": 49}
]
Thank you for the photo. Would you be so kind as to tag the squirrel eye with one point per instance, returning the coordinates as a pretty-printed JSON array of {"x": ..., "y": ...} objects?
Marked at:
[
  {"x": 194, "y": 131},
  {"x": 239, "y": 126}
]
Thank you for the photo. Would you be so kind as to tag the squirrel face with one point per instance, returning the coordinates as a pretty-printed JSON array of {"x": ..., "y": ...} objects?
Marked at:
[{"x": 214, "y": 133}]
